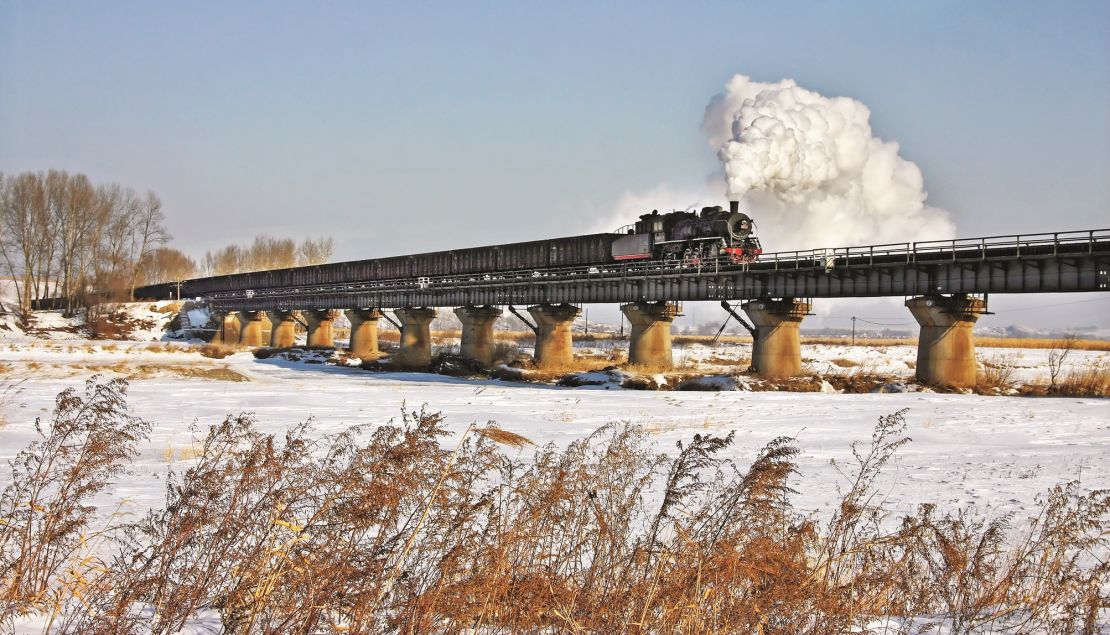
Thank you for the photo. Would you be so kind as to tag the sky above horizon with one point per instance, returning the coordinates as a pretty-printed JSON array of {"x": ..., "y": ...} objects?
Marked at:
[{"x": 419, "y": 127}]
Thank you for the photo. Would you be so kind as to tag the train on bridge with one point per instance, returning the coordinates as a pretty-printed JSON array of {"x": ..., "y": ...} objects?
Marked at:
[{"x": 682, "y": 238}]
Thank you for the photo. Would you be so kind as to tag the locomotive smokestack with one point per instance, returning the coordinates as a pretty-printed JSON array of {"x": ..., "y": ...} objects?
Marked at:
[{"x": 734, "y": 206}]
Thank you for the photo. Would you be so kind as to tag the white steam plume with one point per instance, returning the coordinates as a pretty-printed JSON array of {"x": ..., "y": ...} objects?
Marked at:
[
  {"x": 663, "y": 197},
  {"x": 809, "y": 170}
]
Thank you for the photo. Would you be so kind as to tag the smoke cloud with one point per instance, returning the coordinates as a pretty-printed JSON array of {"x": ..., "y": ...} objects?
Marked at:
[
  {"x": 811, "y": 172},
  {"x": 663, "y": 197}
]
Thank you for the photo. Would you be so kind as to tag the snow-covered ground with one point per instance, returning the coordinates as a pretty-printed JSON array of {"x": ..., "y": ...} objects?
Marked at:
[
  {"x": 139, "y": 321},
  {"x": 994, "y": 452}
]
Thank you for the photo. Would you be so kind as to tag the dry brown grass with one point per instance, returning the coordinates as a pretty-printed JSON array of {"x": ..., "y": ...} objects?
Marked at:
[
  {"x": 869, "y": 342},
  {"x": 554, "y": 372},
  {"x": 717, "y": 360},
  {"x": 217, "y": 373},
  {"x": 844, "y": 362},
  {"x": 1020, "y": 342},
  {"x": 172, "y": 453},
  {"x": 391, "y": 335},
  {"x": 117, "y": 368},
  {"x": 1090, "y": 380},
  {"x": 173, "y": 307},
  {"x": 382, "y": 529},
  {"x": 996, "y": 375},
  {"x": 219, "y": 351},
  {"x": 861, "y": 378},
  {"x": 708, "y": 339}
]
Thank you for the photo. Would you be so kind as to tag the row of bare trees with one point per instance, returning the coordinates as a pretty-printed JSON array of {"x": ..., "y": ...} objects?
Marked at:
[
  {"x": 63, "y": 237},
  {"x": 267, "y": 253}
]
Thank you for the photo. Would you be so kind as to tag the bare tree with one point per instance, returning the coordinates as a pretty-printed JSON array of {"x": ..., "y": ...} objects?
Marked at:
[
  {"x": 271, "y": 253},
  {"x": 167, "y": 264},
  {"x": 72, "y": 202},
  {"x": 147, "y": 234},
  {"x": 1056, "y": 357},
  {"x": 107, "y": 252},
  {"x": 25, "y": 222},
  {"x": 61, "y": 237},
  {"x": 224, "y": 261},
  {"x": 315, "y": 252},
  {"x": 266, "y": 252}
]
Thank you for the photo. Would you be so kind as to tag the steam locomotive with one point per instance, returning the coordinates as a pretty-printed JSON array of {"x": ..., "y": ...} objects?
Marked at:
[
  {"x": 677, "y": 239},
  {"x": 690, "y": 237}
]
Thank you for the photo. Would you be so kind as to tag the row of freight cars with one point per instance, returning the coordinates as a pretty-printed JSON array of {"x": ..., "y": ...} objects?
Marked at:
[{"x": 539, "y": 254}]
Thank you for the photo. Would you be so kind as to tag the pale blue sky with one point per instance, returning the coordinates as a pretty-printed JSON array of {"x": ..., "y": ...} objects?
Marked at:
[{"x": 426, "y": 126}]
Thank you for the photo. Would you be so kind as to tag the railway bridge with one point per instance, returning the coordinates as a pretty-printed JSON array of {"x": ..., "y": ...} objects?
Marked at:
[{"x": 946, "y": 286}]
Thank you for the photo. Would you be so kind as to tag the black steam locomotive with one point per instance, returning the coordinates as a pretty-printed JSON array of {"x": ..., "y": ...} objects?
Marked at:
[
  {"x": 678, "y": 239},
  {"x": 690, "y": 237}
]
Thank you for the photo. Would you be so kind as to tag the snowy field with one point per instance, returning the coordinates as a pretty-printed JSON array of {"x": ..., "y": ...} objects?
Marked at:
[
  {"x": 994, "y": 453},
  {"x": 997, "y": 453}
]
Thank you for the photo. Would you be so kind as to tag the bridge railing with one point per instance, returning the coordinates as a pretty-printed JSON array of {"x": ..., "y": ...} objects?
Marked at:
[{"x": 1018, "y": 244}]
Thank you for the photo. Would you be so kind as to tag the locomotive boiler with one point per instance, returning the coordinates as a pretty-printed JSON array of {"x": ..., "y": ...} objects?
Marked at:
[{"x": 691, "y": 238}]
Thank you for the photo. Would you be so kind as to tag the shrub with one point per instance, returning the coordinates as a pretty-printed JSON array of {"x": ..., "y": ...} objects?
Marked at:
[{"x": 45, "y": 510}]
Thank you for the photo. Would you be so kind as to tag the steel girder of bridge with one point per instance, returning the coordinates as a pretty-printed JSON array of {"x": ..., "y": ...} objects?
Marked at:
[{"x": 1042, "y": 263}]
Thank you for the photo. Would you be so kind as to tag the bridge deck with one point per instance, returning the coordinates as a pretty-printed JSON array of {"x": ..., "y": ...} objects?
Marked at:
[{"x": 1041, "y": 263}]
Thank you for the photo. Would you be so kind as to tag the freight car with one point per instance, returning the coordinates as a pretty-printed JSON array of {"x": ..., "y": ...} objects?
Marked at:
[{"x": 682, "y": 238}]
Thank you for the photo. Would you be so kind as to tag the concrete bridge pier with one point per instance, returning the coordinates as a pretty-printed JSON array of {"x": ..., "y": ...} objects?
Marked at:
[
  {"x": 777, "y": 350},
  {"x": 227, "y": 327},
  {"x": 554, "y": 346},
  {"x": 477, "y": 332},
  {"x": 650, "y": 343},
  {"x": 252, "y": 328},
  {"x": 319, "y": 326},
  {"x": 283, "y": 328},
  {"x": 364, "y": 332},
  {"x": 416, "y": 337},
  {"x": 945, "y": 347}
]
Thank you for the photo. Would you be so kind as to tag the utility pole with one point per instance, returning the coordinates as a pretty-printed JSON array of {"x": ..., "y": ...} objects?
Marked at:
[
  {"x": 587, "y": 329},
  {"x": 853, "y": 330}
]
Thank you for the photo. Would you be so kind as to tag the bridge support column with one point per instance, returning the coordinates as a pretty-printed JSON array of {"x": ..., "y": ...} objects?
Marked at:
[
  {"x": 554, "y": 346},
  {"x": 945, "y": 347},
  {"x": 477, "y": 332},
  {"x": 364, "y": 332},
  {"x": 650, "y": 343},
  {"x": 416, "y": 337},
  {"x": 283, "y": 328},
  {"x": 227, "y": 327},
  {"x": 251, "y": 328},
  {"x": 319, "y": 327},
  {"x": 777, "y": 349}
]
